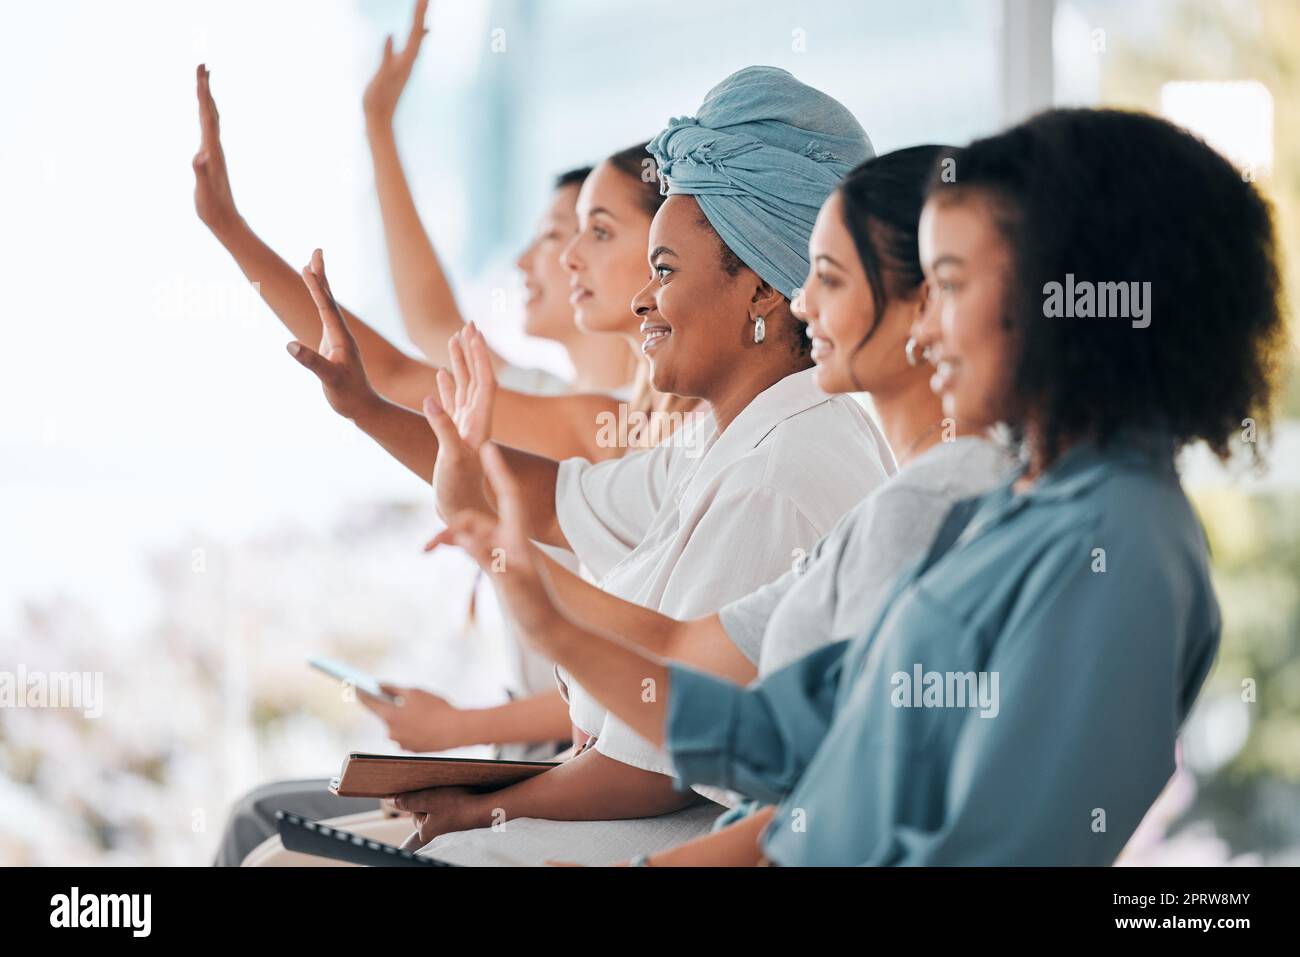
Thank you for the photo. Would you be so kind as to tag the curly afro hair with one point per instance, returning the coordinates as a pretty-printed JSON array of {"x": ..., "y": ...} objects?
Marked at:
[{"x": 1110, "y": 196}]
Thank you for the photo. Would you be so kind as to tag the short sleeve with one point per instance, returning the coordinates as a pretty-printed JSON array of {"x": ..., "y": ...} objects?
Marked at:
[
  {"x": 605, "y": 508},
  {"x": 724, "y": 559},
  {"x": 849, "y": 579},
  {"x": 745, "y": 619}
]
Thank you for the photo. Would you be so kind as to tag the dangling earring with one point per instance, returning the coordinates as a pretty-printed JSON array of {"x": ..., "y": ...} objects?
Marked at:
[{"x": 759, "y": 330}]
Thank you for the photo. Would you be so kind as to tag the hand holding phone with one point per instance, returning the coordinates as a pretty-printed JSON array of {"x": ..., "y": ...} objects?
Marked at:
[{"x": 365, "y": 683}]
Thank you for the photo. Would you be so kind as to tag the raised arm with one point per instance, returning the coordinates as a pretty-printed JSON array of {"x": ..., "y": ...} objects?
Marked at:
[
  {"x": 760, "y": 737},
  {"x": 404, "y": 434},
  {"x": 428, "y": 305},
  {"x": 700, "y": 642},
  {"x": 757, "y": 740},
  {"x": 462, "y": 418},
  {"x": 448, "y": 455},
  {"x": 557, "y": 427},
  {"x": 554, "y": 426},
  {"x": 459, "y": 482},
  {"x": 395, "y": 375},
  {"x": 617, "y": 671}
]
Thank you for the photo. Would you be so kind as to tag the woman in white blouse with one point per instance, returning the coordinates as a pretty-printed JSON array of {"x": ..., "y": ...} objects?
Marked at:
[
  {"x": 862, "y": 298},
  {"x": 863, "y": 293},
  {"x": 737, "y": 495}
]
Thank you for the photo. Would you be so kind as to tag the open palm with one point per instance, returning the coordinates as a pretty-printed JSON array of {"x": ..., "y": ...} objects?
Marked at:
[
  {"x": 338, "y": 362},
  {"x": 386, "y": 86},
  {"x": 213, "y": 199},
  {"x": 468, "y": 391}
]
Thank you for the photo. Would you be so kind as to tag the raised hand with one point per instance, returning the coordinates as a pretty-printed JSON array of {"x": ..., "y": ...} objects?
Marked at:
[
  {"x": 338, "y": 363},
  {"x": 385, "y": 87},
  {"x": 468, "y": 393},
  {"x": 213, "y": 199},
  {"x": 457, "y": 473},
  {"x": 501, "y": 548},
  {"x": 461, "y": 418}
]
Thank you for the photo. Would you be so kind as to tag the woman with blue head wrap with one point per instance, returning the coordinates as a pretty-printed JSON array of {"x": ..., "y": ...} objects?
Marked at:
[
  {"x": 718, "y": 510},
  {"x": 865, "y": 772},
  {"x": 749, "y": 172},
  {"x": 760, "y": 158}
]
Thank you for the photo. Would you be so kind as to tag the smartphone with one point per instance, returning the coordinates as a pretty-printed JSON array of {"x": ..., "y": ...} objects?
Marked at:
[{"x": 364, "y": 683}]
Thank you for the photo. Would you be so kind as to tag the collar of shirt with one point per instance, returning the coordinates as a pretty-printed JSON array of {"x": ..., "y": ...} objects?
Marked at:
[
  {"x": 785, "y": 398},
  {"x": 1084, "y": 464},
  {"x": 1075, "y": 473}
]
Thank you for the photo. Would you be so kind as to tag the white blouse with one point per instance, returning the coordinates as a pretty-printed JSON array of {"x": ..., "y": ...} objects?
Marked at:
[
  {"x": 705, "y": 518},
  {"x": 533, "y": 673}
]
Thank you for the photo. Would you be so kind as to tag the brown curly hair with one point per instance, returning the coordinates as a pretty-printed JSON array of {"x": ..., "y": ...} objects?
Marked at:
[{"x": 1115, "y": 196}]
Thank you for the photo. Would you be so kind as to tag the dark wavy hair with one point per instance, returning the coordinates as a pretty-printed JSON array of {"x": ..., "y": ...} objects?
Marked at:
[
  {"x": 637, "y": 163},
  {"x": 880, "y": 203},
  {"x": 572, "y": 177},
  {"x": 1111, "y": 196}
]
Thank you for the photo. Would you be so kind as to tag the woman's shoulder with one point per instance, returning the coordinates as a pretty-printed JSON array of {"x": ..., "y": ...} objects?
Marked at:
[
  {"x": 837, "y": 431},
  {"x": 961, "y": 467},
  {"x": 532, "y": 381},
  {"x": 821, "y": 461}
]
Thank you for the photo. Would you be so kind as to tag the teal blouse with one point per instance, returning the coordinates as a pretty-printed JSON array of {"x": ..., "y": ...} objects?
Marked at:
[{"x": 1017, "y": 699}]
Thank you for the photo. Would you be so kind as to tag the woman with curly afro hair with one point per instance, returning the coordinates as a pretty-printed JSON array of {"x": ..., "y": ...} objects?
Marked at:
[{"x": 1018, "y": 698}]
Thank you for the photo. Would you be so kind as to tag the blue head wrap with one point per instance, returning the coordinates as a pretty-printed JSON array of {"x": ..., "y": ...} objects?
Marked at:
[{"x": 760, "y": 158}]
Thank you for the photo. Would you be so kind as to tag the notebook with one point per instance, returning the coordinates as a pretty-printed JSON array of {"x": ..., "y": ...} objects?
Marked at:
[
  {"x": 321, "y": 840},
  {"x": 383, "y": 775}
]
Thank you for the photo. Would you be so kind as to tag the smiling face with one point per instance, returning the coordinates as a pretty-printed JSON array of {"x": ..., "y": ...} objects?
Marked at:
[
  {"x": 606, "y": 257},
  {"x": 695, "y": 316},
  {"x": 547, "y": 312},
  {"x": 968, "y": 265},
  {"x": 837, "y": 304}
]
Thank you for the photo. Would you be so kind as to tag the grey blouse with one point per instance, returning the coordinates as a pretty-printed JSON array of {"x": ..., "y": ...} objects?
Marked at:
[{"x": 840, "y": 584}]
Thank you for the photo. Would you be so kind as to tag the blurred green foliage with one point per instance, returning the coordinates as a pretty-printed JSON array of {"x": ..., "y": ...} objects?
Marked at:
[{"x": 1253, "y": 800}]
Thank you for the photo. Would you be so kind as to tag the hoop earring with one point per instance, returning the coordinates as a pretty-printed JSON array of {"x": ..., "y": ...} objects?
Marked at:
[
  {"x": 759, "y": 329},
  {"x": 910, "y": 351}
]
